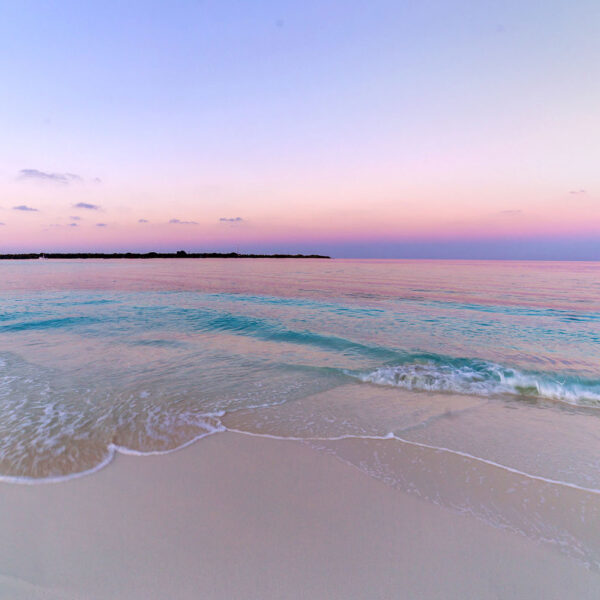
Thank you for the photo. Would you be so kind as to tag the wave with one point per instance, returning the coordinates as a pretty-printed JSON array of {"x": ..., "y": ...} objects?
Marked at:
[
  {"x": 483, "y": 378},
  {"x": 265, "y": 329},
  {"x": 43, "y": 324},
  {"x": 111, "y": 450}
]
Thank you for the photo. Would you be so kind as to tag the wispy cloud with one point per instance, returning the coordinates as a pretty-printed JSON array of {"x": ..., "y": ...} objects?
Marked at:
[
  {"x": 62, "y": 225},
  {"x": 179, "y": 222},
  {"x": 86, "y": 205},
  {"x": 75, "y": 218},
  {"x": 25, "y": 208},
  {"x": 2, "y": 224},
  {"x": 142, "y": 220},
  {"x": 577, "y": 192},
  {"x": 231, "y": 220},
  {"x": 37, "y": 175},
  {"x": 513, "y": 211},
  {"x": 101, "y": 225}
]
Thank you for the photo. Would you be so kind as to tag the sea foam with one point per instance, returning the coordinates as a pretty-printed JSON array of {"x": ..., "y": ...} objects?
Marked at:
[{"x": 484, "y": 378}]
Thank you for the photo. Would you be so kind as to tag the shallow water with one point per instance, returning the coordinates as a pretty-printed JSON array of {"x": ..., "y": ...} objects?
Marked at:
[{"x": 493, "y": 363}]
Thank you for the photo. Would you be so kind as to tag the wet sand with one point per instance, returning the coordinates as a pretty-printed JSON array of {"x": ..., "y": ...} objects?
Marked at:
[{"x": 236, "y": 516}]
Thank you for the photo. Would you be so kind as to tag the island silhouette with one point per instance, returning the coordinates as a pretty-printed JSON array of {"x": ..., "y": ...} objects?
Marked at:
[{"x": 178, "y": 254}]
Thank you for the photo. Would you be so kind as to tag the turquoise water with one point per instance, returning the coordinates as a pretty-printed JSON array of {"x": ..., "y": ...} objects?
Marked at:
[
  {"x": 148, "y": 355},
  {"x": 495, "y": 365}
]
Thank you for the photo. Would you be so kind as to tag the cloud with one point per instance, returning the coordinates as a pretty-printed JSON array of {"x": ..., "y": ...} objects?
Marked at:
[
  {"x": 514, "y": 211},
  {"x": 231, "y": 220},
  {"x": 35, "y": 174},
  {"x": 25, "y": 208},
  {"x": 101, "y": 225},
  {"x": 142, "y": 220},
  {"x": 2, "y": 224},
  {"x": 577, "y": 192},
  {"x": 86, "y": 205},
  {"x": 75, "y": 218},
  {"x": 178, "y": 222},
  {"x": 62, "y": 225}
]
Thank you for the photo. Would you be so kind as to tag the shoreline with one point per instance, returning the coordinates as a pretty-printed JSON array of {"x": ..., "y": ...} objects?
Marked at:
[
  {"x": 114, "y": 450},
  {"x": 247, "y": 517},
  {"x": 560, "y": 514}
]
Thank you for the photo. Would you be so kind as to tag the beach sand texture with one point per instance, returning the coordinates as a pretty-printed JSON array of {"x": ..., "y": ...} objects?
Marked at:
[{"x": 238, "y": 516}]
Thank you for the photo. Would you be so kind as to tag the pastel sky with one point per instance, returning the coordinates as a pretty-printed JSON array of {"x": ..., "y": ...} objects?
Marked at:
[{"x": 360, "y": 129}]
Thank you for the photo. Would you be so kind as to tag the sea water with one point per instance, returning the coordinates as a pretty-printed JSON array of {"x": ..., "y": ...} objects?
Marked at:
[{"x": 473, "y": 384}]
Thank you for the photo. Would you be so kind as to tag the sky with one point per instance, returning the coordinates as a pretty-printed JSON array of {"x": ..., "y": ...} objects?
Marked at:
[{"x": 385, "y": 129}]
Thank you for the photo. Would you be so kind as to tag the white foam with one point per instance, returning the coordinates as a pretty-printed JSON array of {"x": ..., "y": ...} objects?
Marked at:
[
  {"x": 391, "y": 436},
  {"x": 131, "y": 452},
  {"x": 500, "y": 466},
  {"x": 61, "y": 478},
  {"x": 112, "y": 450},
  {"x": 483, "y": 378},
  {"x": 220, "y": 428}
]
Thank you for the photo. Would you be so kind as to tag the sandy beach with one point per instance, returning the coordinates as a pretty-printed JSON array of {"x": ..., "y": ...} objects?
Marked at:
[{"x": 237, "y": 516}]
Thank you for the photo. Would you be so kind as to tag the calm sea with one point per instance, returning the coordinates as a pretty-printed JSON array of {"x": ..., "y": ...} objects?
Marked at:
[{"x": 494, "y": 364}]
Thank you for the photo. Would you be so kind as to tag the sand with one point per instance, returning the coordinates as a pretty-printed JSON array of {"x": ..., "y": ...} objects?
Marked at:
[{"x": 235, "y": 516}]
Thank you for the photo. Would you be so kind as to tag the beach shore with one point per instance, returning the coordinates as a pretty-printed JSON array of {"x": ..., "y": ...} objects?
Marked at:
[{"x": 237, "y": 516}]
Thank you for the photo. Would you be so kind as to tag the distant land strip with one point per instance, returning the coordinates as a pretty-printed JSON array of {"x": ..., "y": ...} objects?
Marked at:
[{"x": 179, "y": 254}]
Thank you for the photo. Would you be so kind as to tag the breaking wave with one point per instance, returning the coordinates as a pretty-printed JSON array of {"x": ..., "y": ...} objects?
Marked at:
[{"x": 484, "y": 378}]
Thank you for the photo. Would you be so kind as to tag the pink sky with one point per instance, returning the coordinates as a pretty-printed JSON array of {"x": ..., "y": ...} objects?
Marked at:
[{"x": 343, "y": 128}]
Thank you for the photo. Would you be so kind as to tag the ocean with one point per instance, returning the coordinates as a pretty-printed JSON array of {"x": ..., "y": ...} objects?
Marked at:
[{"x": 471, "y": 384}]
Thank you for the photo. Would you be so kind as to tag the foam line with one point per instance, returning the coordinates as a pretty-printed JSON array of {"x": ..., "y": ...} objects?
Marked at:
[
  {"x": 391, "y": 436},
  {"x": 500, "y": 466},
  {"x": 131, "y": 452},
  {"x": 112, "y": 449},
  {"x": 436, "y": 373},
  {"x": 62, "y": 478}
]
